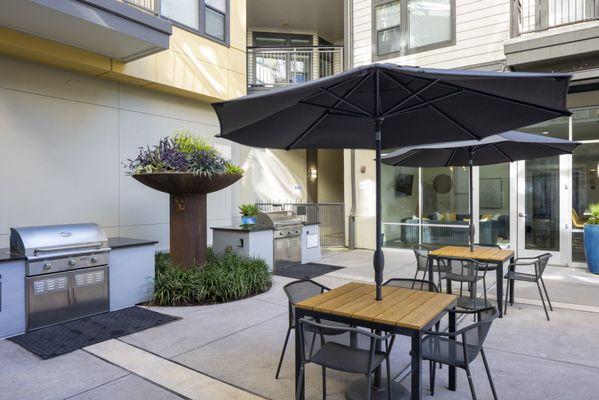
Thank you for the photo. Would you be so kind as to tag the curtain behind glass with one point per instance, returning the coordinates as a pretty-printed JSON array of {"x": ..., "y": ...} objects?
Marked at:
[
  {"x": 429, "y": 22},
  {"x": 185, "y": 12}
]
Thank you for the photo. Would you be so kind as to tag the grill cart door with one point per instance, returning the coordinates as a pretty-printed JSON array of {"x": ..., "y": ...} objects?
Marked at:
[
  {"x": 48, "y": 299},
  {"x": 89, "y": 292}
]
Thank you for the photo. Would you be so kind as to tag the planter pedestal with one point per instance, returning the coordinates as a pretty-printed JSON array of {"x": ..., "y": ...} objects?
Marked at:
[{"x": 188, "y": 227}]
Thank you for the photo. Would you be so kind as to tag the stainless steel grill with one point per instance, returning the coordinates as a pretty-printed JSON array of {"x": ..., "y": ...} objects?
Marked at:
[
  {"x": 66, "y": 271},
  {"x": 287, "y": 236}
]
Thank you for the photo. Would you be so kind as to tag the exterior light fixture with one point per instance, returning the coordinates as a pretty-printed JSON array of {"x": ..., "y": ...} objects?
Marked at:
[{"x": 312, "y": 173}]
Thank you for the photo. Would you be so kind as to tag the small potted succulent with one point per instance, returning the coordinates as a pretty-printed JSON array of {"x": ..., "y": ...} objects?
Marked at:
[
  {"x": 248, "y": 214},
  {"x": 591, "y": 239},
  {"x": 187, "y": 167}
]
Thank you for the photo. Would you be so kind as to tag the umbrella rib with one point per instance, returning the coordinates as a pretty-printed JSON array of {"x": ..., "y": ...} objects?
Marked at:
[
  {"x": 326, "y": 113},
  {"x": 342, "y": 112},
  {"x": 349, "y": 103},
  {"x": 450, "y": 157},
  {"x": 418, "y": 106},
  {"x": 508, "y": 158},
  {"x": 410, "y": 97},
  {"x": 429, "y": 104}
]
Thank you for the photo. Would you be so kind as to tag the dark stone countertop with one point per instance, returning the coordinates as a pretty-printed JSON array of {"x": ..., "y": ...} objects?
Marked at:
[
  {"x": 114, "y": 243},
  {"x": 242, "y": 228}
]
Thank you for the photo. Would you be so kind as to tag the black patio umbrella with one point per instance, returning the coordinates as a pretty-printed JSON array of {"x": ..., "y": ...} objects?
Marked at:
[
  {"x": 389, "y": 106},
  {"x": 504, "y": 147}
]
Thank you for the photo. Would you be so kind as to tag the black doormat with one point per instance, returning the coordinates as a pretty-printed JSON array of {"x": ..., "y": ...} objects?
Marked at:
[
  {"x": 306, "y": 271},
  {"x": 69, "y": 336}
]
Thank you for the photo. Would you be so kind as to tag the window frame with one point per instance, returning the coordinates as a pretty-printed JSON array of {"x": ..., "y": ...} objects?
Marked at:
[
  {"x": 201, "y": 31},
  {"x": 405, "y": 31}
]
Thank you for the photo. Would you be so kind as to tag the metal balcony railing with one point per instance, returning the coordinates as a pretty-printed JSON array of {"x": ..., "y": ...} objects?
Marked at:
[
  {"x": 537, "y": 15},
  {"x": 149, "y": 6},
  {"x": 283, "y": 66}
]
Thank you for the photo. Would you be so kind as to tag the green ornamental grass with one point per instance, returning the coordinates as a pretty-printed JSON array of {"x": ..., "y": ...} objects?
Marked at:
[{"x": 223, "y": 278}]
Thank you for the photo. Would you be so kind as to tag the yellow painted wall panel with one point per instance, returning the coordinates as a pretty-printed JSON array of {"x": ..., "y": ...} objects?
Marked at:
[
  {"x": 192, "y": 45},
  {"x": 237, "y": 84},
  {"x": 237, "y": 61},
  {"x": 238, "y": 24},
  {"x": 143, "y": 69}
]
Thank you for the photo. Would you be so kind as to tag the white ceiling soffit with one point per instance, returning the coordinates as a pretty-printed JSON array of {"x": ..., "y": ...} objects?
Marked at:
[
  {"x": 106, "y": 27},
  {"x": 323, "y": 16}
]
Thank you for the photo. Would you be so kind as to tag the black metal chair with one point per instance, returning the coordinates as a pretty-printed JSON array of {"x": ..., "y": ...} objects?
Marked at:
[
  {"x": 421, "y": 252},
  {"x": 416, "y": 284},
  {"x": 297, "y": 291},
  {"x": 469, "y": 272},
  {"x": 458, "y": 349},
  {"x": 340, "y": 357},
  {"x": 539, "y": 262}
]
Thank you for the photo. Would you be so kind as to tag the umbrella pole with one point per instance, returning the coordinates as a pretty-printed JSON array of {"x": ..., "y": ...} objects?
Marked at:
[
  {"x": 471, "y": 227},
  {"x": 379, "y": 258}
]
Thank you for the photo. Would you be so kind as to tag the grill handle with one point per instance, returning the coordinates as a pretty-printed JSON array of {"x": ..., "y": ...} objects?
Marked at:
[{"x": 71, "y": 247}]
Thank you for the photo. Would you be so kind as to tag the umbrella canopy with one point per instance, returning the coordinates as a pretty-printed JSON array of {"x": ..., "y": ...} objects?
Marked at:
[
  {"x": 504, "y": 147},
  {"x": 385, "y": 105}
]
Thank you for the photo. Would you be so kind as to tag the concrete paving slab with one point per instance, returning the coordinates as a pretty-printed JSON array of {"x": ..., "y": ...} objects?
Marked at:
[
  {"x": 167, "y": 374},
  {"x": 127, "y": 388},
  {"x": 24, "y": 376},
  {"x": 203, "y": 325}
]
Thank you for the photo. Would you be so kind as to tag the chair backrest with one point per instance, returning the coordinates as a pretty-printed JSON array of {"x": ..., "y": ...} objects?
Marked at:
[
  {"x": 416, "y": 284},
  {"x": 421, "y": 253},
  {"x": 543, "y": 259},
  {"x": 474, "y": 335},
  {"x": 464, "y": 267},
  {"x": 487, "y": 245},
  {"x": 297, "y": 291}
]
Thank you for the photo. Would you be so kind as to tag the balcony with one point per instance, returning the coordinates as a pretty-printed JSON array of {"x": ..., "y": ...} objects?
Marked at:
[
  {"x": 552, "y": 34},
  {"x": 121, "y": 29},
  {"x": 273, "y": 67}
]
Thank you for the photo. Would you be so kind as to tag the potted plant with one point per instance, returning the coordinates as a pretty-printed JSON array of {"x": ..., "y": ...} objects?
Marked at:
[
  {"x": 187, "y": 167},
  {"x": 591, "y": 239},
  {"x": 248, "y": 214}
]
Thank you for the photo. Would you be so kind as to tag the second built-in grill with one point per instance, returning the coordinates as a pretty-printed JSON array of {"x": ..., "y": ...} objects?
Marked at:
[
  {"x": 287, "y": 236},
  {"x": 66, "y": 271}
]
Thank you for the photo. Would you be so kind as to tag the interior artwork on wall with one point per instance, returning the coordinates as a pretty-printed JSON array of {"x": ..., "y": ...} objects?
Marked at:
[
  {"x": 490, "y": 193},
  {"x": 442, "y": 183}
]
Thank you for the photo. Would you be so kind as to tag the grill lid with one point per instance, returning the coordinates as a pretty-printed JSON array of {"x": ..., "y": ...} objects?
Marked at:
[
  {"x": 34, "y": 241},
  {"x": 278, "y": 219}
]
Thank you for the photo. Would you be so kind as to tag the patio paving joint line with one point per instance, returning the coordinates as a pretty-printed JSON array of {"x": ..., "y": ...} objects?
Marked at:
[
  {"x": 188, "y": 367},
  {"x": 124, "y": 376},
  {"x": 129, "y": 373},
  {"x": 217, "y": 339}
]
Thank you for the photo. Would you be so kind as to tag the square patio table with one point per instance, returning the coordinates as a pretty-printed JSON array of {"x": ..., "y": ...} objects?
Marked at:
[
  {"x": 488, "y": 255},
  {"x": 402, "y": 311}
]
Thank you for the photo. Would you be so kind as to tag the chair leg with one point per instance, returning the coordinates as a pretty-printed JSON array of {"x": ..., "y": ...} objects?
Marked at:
[
  {"x": 507, "y": 296},
  {"x": 416, "y": 277},
  {"x": 546, "y": 294},
  {"x": 388, "y": 365},
  {"x": 298, "y": 389},
  {"x": 368, "y": 386},
  {"x": 482, "y": 352},
  {"x": 283, "y": 353},
  {"x": 543, "y": 300},
  {"x": 432, "y": 378},
  {"x": 324, "y": 383},
  {"x": 470, "y": 382}
]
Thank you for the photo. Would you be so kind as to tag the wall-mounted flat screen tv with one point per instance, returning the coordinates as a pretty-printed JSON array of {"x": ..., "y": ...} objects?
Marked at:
[{"x": 403, "y": 184}]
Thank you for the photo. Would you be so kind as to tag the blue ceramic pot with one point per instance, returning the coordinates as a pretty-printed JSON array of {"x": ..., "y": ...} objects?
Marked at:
[
  {"x": 591, "y": 247},
  {"x": 245, "y": 220}
]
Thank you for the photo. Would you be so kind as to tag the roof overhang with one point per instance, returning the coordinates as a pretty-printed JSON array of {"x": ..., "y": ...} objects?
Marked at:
[{"x": 107, "y": 27}]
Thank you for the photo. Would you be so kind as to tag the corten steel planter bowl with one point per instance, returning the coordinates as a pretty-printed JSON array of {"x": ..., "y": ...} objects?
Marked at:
[{"x": 188, "y": 228}]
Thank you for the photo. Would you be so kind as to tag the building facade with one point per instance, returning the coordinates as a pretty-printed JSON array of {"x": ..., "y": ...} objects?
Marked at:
[{"x": 532, "y": 206}]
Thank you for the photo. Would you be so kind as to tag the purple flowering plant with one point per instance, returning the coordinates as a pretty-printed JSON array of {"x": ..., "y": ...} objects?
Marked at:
[{"x": 182, "y": 152}]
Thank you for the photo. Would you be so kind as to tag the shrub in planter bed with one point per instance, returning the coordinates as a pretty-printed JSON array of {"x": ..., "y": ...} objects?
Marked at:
[{"x": 223, "y": 278}]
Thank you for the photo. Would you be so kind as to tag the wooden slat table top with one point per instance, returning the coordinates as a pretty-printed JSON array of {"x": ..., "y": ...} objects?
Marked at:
[
  {"x": 405, "y": 308},
  {"x": 480, "y": 253}
]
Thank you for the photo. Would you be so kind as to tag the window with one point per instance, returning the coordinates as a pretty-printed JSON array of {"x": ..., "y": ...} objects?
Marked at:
[
  {"x": 408, "y": 26},
  {"x": 209, "y": 18}
]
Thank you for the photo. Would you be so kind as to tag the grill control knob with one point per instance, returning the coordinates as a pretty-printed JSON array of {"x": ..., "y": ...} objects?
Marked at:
[
  {"x": 94, "y": 259},
  {"x": 47, "y": 266},
  {"x": 72, "y": 263}
]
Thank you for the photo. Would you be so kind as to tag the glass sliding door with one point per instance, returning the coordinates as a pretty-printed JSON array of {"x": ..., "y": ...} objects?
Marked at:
[
  {"x": 400, "y": 199},
  {"x": 494, "y": 204}
]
